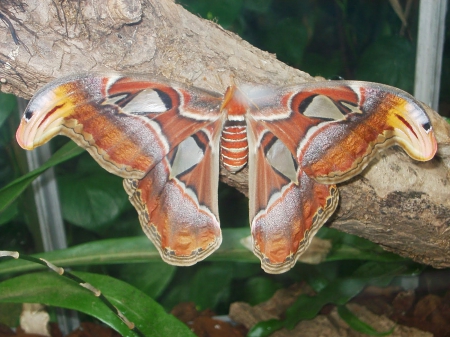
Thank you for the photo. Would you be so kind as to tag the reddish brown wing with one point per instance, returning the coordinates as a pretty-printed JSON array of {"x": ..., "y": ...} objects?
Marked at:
[
  {"x": 287, "y": 207},
  {"x": 334, "y": 128},
  {"x": 177, "y": 200},
  {"x": 161, "y": 136},
  {"x": 128, "y": 124},
  {"x": 306, "y": 138}
]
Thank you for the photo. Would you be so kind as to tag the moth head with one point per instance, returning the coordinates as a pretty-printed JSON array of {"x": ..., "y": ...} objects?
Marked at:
[
  {"x": 413, "y": 130},
  {"x": 235, "y": 102},
  {"x": 46, "y": 112}
]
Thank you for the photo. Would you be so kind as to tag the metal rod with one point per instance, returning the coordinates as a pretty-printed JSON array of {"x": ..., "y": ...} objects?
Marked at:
[
  {"x": 51, "y": 223},
  {"x": 430, "y": 46}
]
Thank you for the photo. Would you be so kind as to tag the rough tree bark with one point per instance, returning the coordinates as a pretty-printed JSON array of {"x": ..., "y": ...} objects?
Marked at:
[{"x": 400, "y": 204}]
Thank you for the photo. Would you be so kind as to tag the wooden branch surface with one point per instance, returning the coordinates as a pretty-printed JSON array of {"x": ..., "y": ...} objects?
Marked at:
[{"x": 401, "y": 204}]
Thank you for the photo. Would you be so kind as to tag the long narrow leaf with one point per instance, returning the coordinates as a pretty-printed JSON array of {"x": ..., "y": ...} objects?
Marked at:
[
  {"x": 52, "y": 289},
  {"x": 307, "y": 307},
  {"x": 338, "y": 292},
  {"x": 10, "y": 192},
  {"x": 266, "y": 328},
  {"x": 138, "y": 249},
  {"x": 8, "y": 104},
  {"x": 351, "y": 247},
  {"x": 128, "y": 250},
  {"x": 356, "y": 324},
  {"x": 342, "y": 290}
]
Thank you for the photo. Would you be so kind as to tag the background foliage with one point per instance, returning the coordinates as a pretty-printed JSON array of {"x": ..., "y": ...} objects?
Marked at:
[{"x": 349, "y": 39}]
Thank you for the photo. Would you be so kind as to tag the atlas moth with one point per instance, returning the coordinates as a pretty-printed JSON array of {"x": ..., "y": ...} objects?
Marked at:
[{"x": 168, "y": 140}]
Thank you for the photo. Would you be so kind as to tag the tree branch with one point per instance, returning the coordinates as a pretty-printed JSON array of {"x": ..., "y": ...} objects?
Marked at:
[{"x": 401, "y": 204}]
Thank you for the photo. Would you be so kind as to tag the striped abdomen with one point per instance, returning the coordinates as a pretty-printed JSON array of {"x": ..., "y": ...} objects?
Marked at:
[{"x": 234, "y": 145}]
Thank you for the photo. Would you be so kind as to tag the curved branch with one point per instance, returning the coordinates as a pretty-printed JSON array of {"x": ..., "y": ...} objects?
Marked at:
[{"x": 402, "y": 205}]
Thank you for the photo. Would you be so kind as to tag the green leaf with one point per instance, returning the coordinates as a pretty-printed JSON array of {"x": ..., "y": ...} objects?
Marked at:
[
  {"x": 129, "y": 250},
  {"x": 259, "y": 6},
  {"x": 288, "y": 39},
  {"x": 351, "y": 247},
  {"x": 225, "y": 12},
  {"x": 52, "y": 289},
  {"x": 9, "y": 213},
  {"x": 206, "y": 285},
  {"x": 92, "y": 200},
  {"x": 151, "y": 278},
  {"x": 265, "y": 328},
  {"x": 327, "y": 66},
  {"x": 341, "y": 290},
  {"x": 6, "y": 167},
  {"x": 338, "y": 292},
  {"x": 356, "y": 324},
  {"x": 244, "y": 270},
  {"x": 259, "y": 289},
  {"x": 381, "y": 274},
  {"x": 8, "y": 104},
  {"x": 10, "y": 313},
  {"x": 389, "y": 60},
  {"x": 110, "y": 251},
  {"x": 10, "y": 192},
  {"x": 178, "y": 291},
  {"x": 316, "y": 279},
  {"x": 210, "y": 284},
  {"x": 232, "y": 249}
]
